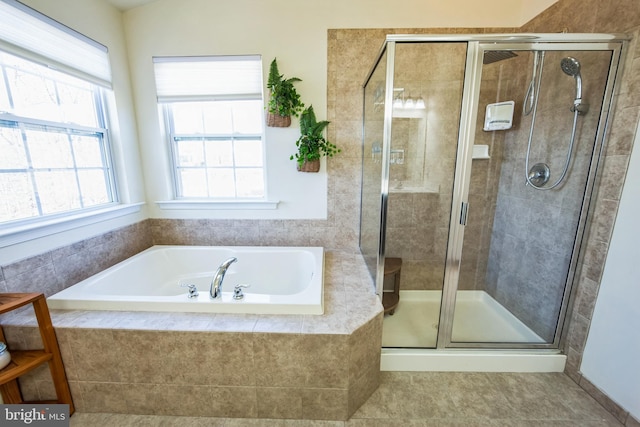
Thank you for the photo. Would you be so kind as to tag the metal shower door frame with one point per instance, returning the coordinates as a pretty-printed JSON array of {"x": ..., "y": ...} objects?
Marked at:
[
  {"x": 476, "y": 46},
  {"x": 471, "y": 94}
]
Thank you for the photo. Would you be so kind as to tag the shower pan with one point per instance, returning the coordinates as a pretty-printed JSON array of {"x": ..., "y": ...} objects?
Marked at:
[{"x": 488, "y": 259}]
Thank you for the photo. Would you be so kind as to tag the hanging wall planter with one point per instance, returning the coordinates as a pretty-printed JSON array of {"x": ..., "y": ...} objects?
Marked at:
[
  {"x": 284, "y": 100},
  {"x": 312, "y": 145},
  {"x": 309, "y": 166},
  {"x": 278, "y": 121}
]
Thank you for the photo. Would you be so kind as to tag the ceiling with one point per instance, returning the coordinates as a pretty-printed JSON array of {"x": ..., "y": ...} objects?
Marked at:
[{"x": 128, "y": 4}]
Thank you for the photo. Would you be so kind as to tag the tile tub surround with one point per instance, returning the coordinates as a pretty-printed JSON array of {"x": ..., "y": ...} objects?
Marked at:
[
  {"x": 52, "y": 271},
  {"x": 219, "y": 365}
]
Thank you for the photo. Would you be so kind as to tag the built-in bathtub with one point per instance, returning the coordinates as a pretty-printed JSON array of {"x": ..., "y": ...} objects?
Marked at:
[
  {"x": 281, "y": 280},
  {"x": 275, "y": 366}
]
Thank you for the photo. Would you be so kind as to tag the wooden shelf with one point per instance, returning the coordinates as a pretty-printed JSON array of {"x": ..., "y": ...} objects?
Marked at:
[
  {"x": 24, "y": 361},
  {"x": 9, "y": 302}
]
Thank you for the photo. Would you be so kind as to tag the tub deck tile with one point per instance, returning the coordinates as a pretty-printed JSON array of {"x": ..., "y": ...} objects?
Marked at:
[{"x": 279, "y": 324}]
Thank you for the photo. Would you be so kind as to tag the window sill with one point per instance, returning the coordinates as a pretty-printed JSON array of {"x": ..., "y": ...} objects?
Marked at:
[
  {"x": 219, "y": 204},
  {"x": 45, "y": 227}
]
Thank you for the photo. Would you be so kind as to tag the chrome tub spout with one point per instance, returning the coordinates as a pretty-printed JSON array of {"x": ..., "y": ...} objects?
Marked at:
[{"x": 215, "y": 291}]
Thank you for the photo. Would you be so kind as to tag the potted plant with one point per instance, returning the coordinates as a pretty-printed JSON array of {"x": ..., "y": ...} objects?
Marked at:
[
  {"x": 284, "y": 100},
  {"x": 312, "y": 145}
]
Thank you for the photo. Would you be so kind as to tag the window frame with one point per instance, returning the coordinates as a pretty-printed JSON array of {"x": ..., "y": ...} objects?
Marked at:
[
  {"x": 35, "y": 37},
  {"x": 23, "y": 123},
  {"x": 165, "y": 104}
]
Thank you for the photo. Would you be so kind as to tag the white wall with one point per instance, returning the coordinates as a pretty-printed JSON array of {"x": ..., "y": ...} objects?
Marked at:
[
  {"x": 296, "y": 34},
  {"x": 611, "y": 359}
]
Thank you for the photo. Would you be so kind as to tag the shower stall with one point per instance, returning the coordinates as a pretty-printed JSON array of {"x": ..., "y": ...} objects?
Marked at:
[{"x": 480, "y": 155}]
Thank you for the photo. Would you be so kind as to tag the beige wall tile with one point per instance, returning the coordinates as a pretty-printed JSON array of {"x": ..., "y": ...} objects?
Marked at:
[
  {"x": 279, "y": 403},
  {"x": 100, "y": 397},
  {"x": 319, "y": 360},
  {"x": 324, "y": 404},
  {"x": 94, "y": 352}
]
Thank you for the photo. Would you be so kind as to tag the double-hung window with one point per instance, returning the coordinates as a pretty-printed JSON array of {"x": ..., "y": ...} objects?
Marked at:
[
  {"x": 54, "y": 150},
  {"x": 214, "y": 115}
]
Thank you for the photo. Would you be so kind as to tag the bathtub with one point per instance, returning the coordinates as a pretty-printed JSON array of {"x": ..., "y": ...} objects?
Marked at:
[{"x": 282, "y": 280}]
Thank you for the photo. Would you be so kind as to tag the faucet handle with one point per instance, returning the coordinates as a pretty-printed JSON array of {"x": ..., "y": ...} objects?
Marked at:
[
  {"x": 192, "y": 292},
  {"x": 237, "y": 291}
]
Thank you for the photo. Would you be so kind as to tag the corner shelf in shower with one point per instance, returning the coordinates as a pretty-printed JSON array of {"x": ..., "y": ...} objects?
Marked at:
[
  {"x": 25, "y": 361},
  {"x": 481, "y": 151}
]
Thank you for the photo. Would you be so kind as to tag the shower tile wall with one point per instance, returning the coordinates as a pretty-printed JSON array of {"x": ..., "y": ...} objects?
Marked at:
[
  {"x": 533, "y": 231},
  {"x": 596, "y": 16}
]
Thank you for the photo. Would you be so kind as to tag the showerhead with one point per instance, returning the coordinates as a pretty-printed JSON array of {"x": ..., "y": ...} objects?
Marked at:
[
  {"x": 491, "y": 56},
  {"x": 570, "y": 66}
]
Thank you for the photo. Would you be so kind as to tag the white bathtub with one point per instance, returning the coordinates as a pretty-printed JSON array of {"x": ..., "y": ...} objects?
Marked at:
[{"x": 283, "y": 280}]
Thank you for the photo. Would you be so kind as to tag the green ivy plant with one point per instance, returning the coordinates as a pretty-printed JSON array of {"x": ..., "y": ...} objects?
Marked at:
[
  {"x": 312, "y": 145},
  {"x": 284, "y": 100}
]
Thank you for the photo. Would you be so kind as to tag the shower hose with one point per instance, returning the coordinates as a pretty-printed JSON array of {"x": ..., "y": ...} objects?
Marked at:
[{"x": 533, "y": 120}]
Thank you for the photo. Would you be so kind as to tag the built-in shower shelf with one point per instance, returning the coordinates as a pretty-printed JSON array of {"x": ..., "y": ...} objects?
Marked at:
[{"x": 481, "y": 151}]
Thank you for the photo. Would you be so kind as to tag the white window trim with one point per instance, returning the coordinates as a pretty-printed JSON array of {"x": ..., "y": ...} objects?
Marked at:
[
  {"x": 170, "y": 90},
  {"x": 19, "y": 233},
  {"x": 218, "y": 204}
]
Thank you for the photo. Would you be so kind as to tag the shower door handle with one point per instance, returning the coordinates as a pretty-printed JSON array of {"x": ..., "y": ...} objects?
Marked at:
[{"x": 464, "y": 211}]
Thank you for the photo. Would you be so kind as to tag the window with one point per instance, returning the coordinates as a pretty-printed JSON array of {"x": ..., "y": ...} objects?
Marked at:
[
  {"x": 54, "y": 150},
  {"x": 214, "y": 116}
]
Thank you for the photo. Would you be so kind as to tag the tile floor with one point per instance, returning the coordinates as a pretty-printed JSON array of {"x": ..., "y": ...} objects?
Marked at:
[{"x": 413, "y": 399}]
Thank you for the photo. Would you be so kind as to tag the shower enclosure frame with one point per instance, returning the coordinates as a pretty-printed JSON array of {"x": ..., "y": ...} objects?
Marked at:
[{"x": 476, "y": 46}]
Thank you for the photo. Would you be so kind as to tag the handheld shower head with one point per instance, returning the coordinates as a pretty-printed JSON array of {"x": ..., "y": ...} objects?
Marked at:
[{"x": 571, "y": 67}]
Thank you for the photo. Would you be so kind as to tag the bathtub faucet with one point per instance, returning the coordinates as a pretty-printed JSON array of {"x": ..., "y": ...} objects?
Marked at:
[{"x": 215, "y": 291}]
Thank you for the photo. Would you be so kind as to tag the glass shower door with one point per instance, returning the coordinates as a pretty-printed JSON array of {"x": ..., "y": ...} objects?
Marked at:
[
  {"x": 371, "y": 230},
  {"x": 486, "y": 215},
  {"x": 426, "y": 99},
  {"x": 527, "y": 188}
]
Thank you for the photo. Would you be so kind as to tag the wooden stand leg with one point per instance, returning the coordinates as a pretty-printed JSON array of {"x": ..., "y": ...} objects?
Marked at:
[
  {"x": 51, "y": 345},
  {"x": 11, "y": 392}
]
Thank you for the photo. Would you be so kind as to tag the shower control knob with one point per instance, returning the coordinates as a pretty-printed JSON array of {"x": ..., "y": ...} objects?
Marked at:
[{"x": 539, "y": 175}]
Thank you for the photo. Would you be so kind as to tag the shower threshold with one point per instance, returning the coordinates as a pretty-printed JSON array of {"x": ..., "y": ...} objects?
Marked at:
[{"x": 409, "y": 337}]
